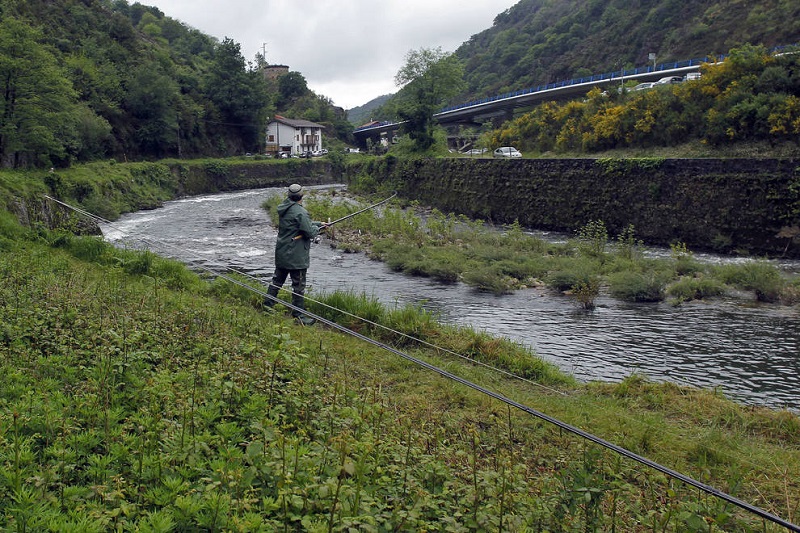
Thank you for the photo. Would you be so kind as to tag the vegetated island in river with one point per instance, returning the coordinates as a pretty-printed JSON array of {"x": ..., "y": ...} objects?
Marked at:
[{"x": 426, "y": 242}]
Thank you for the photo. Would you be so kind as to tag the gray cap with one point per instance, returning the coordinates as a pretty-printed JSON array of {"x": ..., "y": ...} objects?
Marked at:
[{"x": 295, "y": 189}]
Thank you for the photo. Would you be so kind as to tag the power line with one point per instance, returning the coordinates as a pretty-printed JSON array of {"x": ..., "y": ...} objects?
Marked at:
[{"x": 502, "y": 398}]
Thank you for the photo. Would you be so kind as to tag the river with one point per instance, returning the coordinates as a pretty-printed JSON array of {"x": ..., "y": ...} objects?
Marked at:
[{"x": 748, "y": 351}]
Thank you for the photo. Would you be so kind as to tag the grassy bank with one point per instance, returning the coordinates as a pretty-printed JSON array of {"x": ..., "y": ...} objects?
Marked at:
[{"x": 138, "y": 396}]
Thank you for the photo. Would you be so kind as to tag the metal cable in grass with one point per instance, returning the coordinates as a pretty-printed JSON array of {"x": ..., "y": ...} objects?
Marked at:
[
  {"x": 508, "y": 401},
  {"x": 320, "y": 303}
]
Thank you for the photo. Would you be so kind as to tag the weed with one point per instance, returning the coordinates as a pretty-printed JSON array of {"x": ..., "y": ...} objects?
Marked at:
[
  {"x": 687, "y": 289},
  {"x": 593, "y": 238},
  {"x": 586, "y": 292},
  {"x": 638, "y": 287},
  {"x": 763, "y": 278}
]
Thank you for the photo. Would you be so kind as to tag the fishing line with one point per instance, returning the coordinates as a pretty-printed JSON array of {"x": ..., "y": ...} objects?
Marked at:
[
  {"x": 512, "y": 403},
  {"x": 261, "y": 282}
]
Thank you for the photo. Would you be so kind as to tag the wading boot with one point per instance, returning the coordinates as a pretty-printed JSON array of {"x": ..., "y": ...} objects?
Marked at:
[{"x": 306, "y": 320}]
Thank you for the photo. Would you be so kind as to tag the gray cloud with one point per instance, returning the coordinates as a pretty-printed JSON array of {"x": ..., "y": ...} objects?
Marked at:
[{"x": 348, "y": 50}]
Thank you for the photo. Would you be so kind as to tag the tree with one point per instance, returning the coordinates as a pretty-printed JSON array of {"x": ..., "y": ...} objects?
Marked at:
[
  {"x": 37, "y": 103},
  {"x": 151, "y": 101},
  {"x": 238, "y": 93},
  {"x": 291, "y": 86},
  {"x": 428, "y": 79}
]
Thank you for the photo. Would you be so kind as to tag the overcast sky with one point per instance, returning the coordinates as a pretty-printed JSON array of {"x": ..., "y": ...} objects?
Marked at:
[{"x": 348, "y": 50}]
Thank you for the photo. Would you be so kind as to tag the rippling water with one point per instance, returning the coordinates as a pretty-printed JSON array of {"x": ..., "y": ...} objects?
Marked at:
[{"x": 748, "y": 351}]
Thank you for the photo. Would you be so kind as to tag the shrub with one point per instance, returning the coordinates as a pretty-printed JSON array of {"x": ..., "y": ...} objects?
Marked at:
[
  {"x": 592, "y": 238},
  {"x": 572, "y": 273},
  {"x": 10, "y": 226},
  {"x": 760, "y": 277},
  {"x": 695, "y": 289},
  {"x": 628, "y": 246},
  {"x": 637, "y": 286},
  {"x": 91, "y": 249},
  {"x": 489, "y": 278},
  {"x": 586, "y": 292}
]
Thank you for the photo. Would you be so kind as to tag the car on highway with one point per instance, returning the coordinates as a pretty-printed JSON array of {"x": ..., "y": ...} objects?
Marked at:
[
  {"x": 669, "y": 80},
  {"x": 643, "y": 86},
  {"x": 507, "y": 151}
]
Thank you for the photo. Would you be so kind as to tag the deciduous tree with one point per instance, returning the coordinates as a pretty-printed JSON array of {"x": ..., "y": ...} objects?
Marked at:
[{"x": 428, "y": 79}]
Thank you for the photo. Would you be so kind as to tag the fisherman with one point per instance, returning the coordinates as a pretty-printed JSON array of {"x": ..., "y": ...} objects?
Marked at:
[{"x": 296, "y": 230}]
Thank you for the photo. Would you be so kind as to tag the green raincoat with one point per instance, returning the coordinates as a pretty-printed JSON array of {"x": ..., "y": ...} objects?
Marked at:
[{"x": 291, "y": 253}]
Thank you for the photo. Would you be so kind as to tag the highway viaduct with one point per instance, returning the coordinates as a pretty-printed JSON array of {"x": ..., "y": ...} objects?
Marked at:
[{"x": 500, "y": 108}]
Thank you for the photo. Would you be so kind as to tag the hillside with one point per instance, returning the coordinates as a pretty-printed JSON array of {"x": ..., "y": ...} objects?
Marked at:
[
  {"x": 101, "y": 79},
  {"x": 361, "y": 114},
  {"x": 540, "y": 41}
]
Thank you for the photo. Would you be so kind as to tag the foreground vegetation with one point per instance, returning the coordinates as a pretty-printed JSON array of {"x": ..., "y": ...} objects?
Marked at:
[{"x": 138, "y": 396}]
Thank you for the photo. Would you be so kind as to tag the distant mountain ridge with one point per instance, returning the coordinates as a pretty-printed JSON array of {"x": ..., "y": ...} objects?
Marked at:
[
  {"x": 541, "y": 41},
  {"x": 362, "y": 114}
]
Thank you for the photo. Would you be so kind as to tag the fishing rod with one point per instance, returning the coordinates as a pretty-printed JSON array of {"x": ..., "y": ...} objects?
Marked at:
[
  {"x": 373, "y": 206},
  {"x": 351, "y": 215}
]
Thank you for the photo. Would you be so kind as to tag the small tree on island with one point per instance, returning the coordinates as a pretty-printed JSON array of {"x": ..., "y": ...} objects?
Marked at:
[{"x": 428, "y": 79}]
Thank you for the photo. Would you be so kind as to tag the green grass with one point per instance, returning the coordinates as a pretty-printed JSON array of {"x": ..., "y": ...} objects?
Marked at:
[
  {"x": 135, "y": 401},
  {"x": 136, "y": 396}
]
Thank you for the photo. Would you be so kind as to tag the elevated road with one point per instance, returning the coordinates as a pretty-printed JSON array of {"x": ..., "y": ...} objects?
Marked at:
[{"x": 502, "y": 106}]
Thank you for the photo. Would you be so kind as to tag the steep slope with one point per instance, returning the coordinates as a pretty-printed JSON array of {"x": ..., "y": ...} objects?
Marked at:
[{"x": 540, "y": 41}]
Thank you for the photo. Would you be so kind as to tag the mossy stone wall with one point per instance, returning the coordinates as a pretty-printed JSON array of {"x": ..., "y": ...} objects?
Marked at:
[
  {"x": 724, "y": 205},
  {"x": 220, "y": 176}
]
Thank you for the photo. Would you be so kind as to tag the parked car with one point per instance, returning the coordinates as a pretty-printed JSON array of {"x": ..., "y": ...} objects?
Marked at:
[
  {"x": 475, "y": 151},
  {"x": 319, "y": 153},
  {"x": 643, "y": 86},
  {"x": 507, "y": 151},
  {"x": 669, "y": 80}
]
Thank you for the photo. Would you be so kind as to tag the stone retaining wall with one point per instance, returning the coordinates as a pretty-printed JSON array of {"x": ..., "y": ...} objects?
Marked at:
[{"x": 723, "y": 205}]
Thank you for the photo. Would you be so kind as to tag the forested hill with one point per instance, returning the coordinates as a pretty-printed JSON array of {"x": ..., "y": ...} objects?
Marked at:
[
  {"x": 91, "y": 79},
  {"x": 541, "y": 41}
]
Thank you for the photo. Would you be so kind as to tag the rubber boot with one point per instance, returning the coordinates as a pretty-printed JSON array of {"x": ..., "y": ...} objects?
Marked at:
[
  {"x": 269, "y": 302},
  {"x": 299, "y": 302}
]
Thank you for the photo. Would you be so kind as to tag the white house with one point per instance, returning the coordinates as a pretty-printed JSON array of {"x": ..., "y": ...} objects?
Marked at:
[{"x": 293, "y": 137}]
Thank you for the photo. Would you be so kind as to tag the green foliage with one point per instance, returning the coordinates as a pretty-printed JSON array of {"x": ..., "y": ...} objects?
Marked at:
[
  {"x": 593, "y": 238},
  {"x": 746, "y": 98},
  {"x": 628, "y": 246},
  {"x": 428, "y": 79},
  {"x": 38, "y": 107},
  {"x": 130, "y": 406},
  {"x": 687, "y": 289},
  {"x": 763, "y": 278},
  {"x": 534, "y": 43},
  {"x": 104, "y": 79},
  {"x": 638, "y": 286}
]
